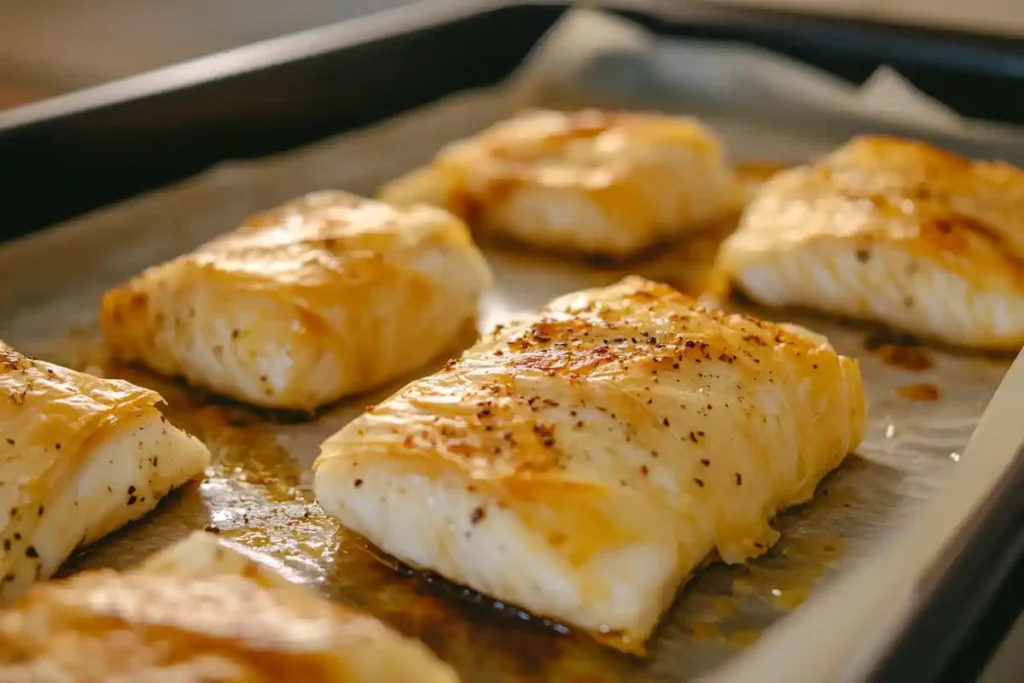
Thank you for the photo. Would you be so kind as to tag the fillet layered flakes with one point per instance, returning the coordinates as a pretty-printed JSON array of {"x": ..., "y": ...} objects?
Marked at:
[
  {"x": 582, "y": 463},
  {"x": 80, "y": 457},
  {"x": 325, "y": 296},
  {"x": 892, "y": 231},
  {"x": 200, "y": 612},
  {"x": 594, "y": 182}
]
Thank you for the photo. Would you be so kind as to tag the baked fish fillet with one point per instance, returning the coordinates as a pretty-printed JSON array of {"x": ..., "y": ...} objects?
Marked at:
[
  {"x": 80, "y": 456},
  {"x": 581, "y": 464},
  {"x": 200, "y": 611},
  {"x": 323, "y": 297},
  {"x": 893, "y": 231},
  {"x": 594, "y": 182}
]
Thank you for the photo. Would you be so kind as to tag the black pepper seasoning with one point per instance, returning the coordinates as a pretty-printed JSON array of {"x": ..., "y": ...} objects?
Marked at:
[{"x": 477, "y": 516}]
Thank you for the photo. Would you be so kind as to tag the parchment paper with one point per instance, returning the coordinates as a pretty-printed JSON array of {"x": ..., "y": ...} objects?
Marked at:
[{"x": 257, "y": 492}]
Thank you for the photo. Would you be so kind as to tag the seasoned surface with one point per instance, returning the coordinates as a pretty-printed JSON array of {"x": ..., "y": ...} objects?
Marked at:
[
  {"x": 257, "y": 491},
  {"x": 583, "y": 462},
  {"x": 893, "y": 231},
  {"x": 590, "y": 181},
  {"x": 80, "y": 456},
  {"x": 322, "y": 297},
  {"x": 200, "y": 612}
]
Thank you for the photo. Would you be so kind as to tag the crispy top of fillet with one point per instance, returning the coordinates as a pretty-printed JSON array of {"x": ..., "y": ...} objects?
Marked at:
[
  {"x": 594, "y": 181},
  {"x": 614, "y": 419},
  {"x": 966, "y": 215},
  {"x": 201, "y": 611}
]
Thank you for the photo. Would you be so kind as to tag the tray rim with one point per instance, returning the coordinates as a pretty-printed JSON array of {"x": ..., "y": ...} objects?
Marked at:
[
  {"x": 90, "y": 121},
  {"x": 292, "y": 47},
  {"x": 969, "y": 49}
]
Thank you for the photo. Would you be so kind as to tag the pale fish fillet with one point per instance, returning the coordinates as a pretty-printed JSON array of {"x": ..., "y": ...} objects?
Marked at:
[
  {"x": 80, "y": 456},
  {"x": 892, "y": 231},
  {"x": 582, "y": 463},
  {"x": 200, "y": 612},
  {"x": 323, "y": 297},
  {"x": 594, "y": 182}
]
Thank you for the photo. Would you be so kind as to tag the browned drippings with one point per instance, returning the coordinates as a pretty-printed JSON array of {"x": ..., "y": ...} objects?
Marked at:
[
  {"x": 255, "y": 494},
  {"x": 899, "y": 351},
  {"x": 705, "y": 629},
  {"x": 253, "y": 488},
  {"x": 786, "y": 577},
  {"x": 919, "y": 392},
  {"x": 744, "y": 637}
]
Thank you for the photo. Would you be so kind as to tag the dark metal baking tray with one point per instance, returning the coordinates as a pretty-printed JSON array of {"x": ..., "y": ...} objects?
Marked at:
[
  {"x": 91, "y": 148},
  {"x": 65, "y": 156}
]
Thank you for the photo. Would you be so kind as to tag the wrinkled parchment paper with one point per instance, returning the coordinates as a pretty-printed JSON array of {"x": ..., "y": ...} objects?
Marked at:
[{"x": 257, "y": 493}]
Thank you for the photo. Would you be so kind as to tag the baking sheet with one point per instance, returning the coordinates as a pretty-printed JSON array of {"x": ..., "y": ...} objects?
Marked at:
[
  {"x": 1004, "y": 17},
  {"x": 257, "y": 491}
]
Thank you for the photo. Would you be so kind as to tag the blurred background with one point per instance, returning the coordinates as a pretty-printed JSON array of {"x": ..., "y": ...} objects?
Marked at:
[{"x": 49, "y": 47}]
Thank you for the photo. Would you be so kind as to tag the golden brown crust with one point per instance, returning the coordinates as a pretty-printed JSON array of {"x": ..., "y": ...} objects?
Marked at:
[
  {"x": 590, "y": 181},
  {"x": 48, "y": 416},
  {"x": 324, "y": 296},
  {"x": 199, "y": 612},
  {"x": 492, "y": 431},
  {"x": 967, "y": 215},
  {"x": 613, "y": 423},
  {"x": 895, "y": 231}
]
